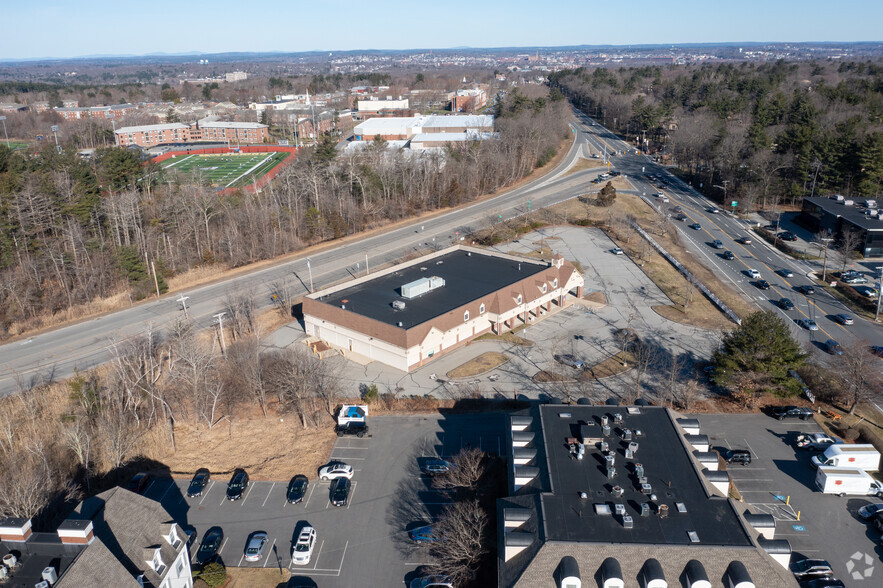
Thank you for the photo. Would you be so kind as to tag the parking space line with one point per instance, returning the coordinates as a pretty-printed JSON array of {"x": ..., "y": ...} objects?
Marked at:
[
  {"x": 149, "y": 486},
  {"x": 212, "y": 483},
  {"x": 241, "y": 557},
  {"x": 268, "y": 495},
  {"x": 163, "y": 497},
  {"x": 312, "y": 487},
  {"x": 223, "y": 545},
  {"x": 250, "y": 488},
  {"x": 352, "y": 493},
  {"x": 269, "y": 551}
]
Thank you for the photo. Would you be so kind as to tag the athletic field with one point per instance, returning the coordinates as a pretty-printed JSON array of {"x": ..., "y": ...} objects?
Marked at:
[{"x": 225, "y": 171}]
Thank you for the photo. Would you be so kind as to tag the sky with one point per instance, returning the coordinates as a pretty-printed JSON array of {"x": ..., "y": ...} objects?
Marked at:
[{"x": 52, "y": 28}]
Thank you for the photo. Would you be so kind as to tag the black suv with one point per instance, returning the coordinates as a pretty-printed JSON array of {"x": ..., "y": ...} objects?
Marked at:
[
  {"x": 792, "y": 412},
  {"x": 742, "y": 456},
  {"x": 197, "y": 485},
  {"x": 351, "y": 428},
  {"x": 237, "y": 485}
]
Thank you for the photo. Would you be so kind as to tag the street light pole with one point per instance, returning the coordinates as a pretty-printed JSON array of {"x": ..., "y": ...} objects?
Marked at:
[
  {"x": 183, "y": 300},
  {"x": 879, "y": 294},
  {"x": 54, "y": 129},
  {"x": 3, "y": 118}
]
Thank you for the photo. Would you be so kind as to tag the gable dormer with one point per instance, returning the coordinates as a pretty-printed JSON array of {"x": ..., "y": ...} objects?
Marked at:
[
  {"x": 153, "y": 558},
  {"x": 172, "y": 535}
]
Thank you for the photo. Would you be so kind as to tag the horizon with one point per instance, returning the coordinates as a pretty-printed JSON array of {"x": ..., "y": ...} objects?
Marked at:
[{"x": 95, "y": 28}]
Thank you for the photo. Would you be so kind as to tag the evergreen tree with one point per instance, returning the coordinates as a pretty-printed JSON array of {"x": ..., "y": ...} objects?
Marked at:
[{"x": 761, "y": 347}]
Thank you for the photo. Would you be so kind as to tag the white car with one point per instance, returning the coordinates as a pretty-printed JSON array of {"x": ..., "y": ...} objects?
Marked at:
[
  {"x": 432, "y": 582},
  {"x": 753, "y": 274},
  {"x": 303, "y": 548},
  {"x": 334, "y": 470},
  {"x": 616, "y": 251}
]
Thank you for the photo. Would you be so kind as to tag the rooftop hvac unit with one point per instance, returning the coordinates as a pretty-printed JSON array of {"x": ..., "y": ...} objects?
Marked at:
[
  {"x": 839, "y": 198},
  {"x": 848, "y": 203},
  {"x": 43, "y": 584},
  {"x": 639, "y": 470},
  {"x": 604, "y": 420},
  {"x": 50, "y": 576},
  {"x": 9, "y": 560},
  {"x": 611, "y": 473},
  {"x": 398, "y": 305},
  {"x": 617, "y": 418},
  {"x": 663, "y": 510},
  {"x": 645, "y": 509},
  {"x": 422, "y": 286},
  {"x": 4, "y": 573},
  {"x": 628, "y": 522},
  {"x": 605, "y": 430}
]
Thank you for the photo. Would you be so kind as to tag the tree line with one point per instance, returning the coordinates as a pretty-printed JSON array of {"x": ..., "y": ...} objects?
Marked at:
[
  {"x": 769, "y": 133},
  {"x": 73, "y": 230}
]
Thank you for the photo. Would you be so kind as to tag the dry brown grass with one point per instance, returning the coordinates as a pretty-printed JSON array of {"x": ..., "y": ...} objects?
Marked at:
[
  {"x": 610, "y": 366},
  {"x": 196, "y": 276},
  {"x": 597, "y": 297},
  {"x": 268, "y": 577},
  {"x": 508, "y": 337},
  {"x": 75, "y": 313},
  {"x": 583, "y": 164},
  {"x": 547, "y": 376},
  {"x": 479, "y": 365}
]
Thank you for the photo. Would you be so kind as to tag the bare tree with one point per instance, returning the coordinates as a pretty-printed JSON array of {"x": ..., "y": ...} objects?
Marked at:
[
  {"x": 849, "y": 242},
  {"x": 462, "y": 527},
  {"x": 468, "y": 466},
  {"x": 859, "y": 379}
]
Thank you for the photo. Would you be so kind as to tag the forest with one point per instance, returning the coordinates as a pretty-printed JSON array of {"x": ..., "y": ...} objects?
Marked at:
[
  {"x": 770, "y": 133},
  {"x": 76, "y": 230}
]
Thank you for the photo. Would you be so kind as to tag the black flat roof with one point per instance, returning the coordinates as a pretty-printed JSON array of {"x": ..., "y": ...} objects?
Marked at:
[
  {"x": 854, "y": 213},
  {"x": 42, "y": 550},
  {"x": 467, "y": 278},
  {"x": 667, "y": 467}
]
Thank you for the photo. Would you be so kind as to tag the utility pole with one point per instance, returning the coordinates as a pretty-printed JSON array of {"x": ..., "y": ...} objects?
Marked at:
[
  {"x": 879, "y": 294},
  {"x": 825, "y": 262},
  {"x": 220, "y": 317},
  {"x": 3, "y": 118},
  {"x": 310, "y": 269},
  {"x": 367, "y": 271},
  {"x": 54, "y": 129},
  {"x": 183, "y": 300}
]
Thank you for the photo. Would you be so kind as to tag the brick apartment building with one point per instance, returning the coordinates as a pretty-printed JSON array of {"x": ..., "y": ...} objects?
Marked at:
[
  {"x": 468, "y": 100},
  {"x": 234, "y": 133},
  {"x": 107, "y": 112}
]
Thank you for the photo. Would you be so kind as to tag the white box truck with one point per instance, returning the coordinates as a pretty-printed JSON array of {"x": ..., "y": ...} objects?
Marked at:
[
  {"x": 864, "y": 457},
  {"x": 847, "y": 481}
]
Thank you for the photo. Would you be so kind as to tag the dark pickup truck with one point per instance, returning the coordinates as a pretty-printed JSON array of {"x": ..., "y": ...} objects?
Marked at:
[{"x": 356, "y": 429}]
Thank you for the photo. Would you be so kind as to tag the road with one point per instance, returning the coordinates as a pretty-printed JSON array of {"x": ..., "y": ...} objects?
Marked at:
[
  {"x": 759, "y": 255},
  {"x": 60, "y": 352}
]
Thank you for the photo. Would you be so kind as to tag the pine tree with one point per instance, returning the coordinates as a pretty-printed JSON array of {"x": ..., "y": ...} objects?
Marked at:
[{"x": 761, "y": 347}]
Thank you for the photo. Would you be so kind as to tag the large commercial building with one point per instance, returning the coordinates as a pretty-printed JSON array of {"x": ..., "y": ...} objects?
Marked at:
[
  {"x": 234, "y": 133},
  {"x": 619, "y": 496},
  {"x": 838, "y": 215},
  {"x": 411, "y": 313},
  {"x": 117, "y": 538},
  {"x": 405, "y": 128},
  {"x": 372, "y": 107}
]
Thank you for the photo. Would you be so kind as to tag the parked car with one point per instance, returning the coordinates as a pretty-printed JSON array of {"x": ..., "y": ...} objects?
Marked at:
[
  {"x": 787, "y": 236},
  {"x": 805, "y": 289},
  {"x": 138, "y": 482},
  {"x": 742, "y": 456},
  {"x": 423, "y": 535},
  {"x": 569, "y": 360},
  {"x": 211, "y": 543},
  {"x": 302, "y": 550},
  {"x": 717, "y": 244},
  {"x": 354, "y": 428},
  {"x": 297, "y": 489},
  {"x": 792, "y": 412},
  {"x": 728, "y": 255},
  {"x": 816, "y": 441},
  {"x": 833, "y": 347},
  {"x": 434, "y": 467},
  {"x": 808, "y": 569},
  {"x": 869, "y": 511},
  {"x": 237, "y": 484},
  {"x": 340, "y": 491},
  {"x": 617, "y": 251},
  {"x": 827, "y": 582},
  {"x": 856, "y": 280},
  {"x": 695, "y": 226},
  {"x": 192, "y": 534},
  {"x": 844, "y": 319},
  {"x": 254, "y": 547},
  {"x": 808, "y": 324},
  {"x": 198, "y": 483},
  {"x": 786, "y": 304},
  {"x": 753, "y": 273},
  {"x": 763, "y": 284},
  {"x": 785, "y": 273},
  {"x": 432, "y": 582},
  {"x": 866, "y": 291},
  {"x": 334, "y": 470}
]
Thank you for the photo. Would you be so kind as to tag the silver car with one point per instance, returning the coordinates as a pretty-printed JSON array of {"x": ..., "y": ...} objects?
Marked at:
[{"x": 254, "y": 548}]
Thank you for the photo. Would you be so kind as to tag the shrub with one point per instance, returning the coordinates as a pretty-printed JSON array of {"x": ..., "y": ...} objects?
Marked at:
[
  {"x": 370, "y": 393},
  {"x": 213, "y": 574}
]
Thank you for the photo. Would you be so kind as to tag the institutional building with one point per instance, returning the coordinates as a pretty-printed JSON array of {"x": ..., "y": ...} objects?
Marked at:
[
  {"x": 105, "y": 112},
  {"x": 235, "y": 133},
  {"x": 405, "y": 128},
  {"x": 409, "y": 314},
  {"x": 838, "y": 215},
  {"x": 619, "y": 496}
]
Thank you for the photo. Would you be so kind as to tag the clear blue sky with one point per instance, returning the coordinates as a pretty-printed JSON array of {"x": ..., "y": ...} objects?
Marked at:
[{"x": 53, "y": 28}]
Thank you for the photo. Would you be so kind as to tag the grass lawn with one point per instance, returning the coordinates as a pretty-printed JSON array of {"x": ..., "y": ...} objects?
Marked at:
[
  {"x": 226, "y": 171},
  {"x": 15, "y": 145},
  {"x": 479, "y": 365},
  {"x": 610, "y": 366},
  {"x": 268, "y": 577}
]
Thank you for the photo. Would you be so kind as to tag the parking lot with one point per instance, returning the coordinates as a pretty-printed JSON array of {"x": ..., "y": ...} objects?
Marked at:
[
  {"x": 368, "y": 537},
  {"x": 781, "y": 482}
]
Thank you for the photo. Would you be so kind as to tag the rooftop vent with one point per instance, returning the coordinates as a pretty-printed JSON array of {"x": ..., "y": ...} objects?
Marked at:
[
  {"x": 694, "y": 536},
  {"x": 602, "y": 509},
  {"x": 682, "y": 508},
  {"x": 398, "y": 305},
  {"x": 401, "y": 324},
  {"x": 421, "y": 286}
]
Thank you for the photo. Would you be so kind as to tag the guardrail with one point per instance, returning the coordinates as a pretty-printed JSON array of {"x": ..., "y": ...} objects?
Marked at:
[{"x": 688, "y": 275}]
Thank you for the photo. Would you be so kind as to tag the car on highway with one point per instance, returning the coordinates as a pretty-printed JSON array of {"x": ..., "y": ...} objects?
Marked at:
[
  {"x": 744, "y": 240},
  {"x": 340, "y": 491},
  {"x": 844, "y": 319},
  {"x": 786, "y": 304},
  {"x": 762, "y": 284},
  {"x": 791, "y": 412},
  {"x": 714, "y": 210},
  {"x": 785, "y": 273},
  {"x": 237, "y": 484},
  {"x": 435, "y": 466},
  {"x": 432, "y": 582},
  {"x": 787, "y": 236},
  {"x": 717, "y": 244},
  {"x": 617, "y": 251},
  {"x": 833, "y": 347},
  {"x": 424, "y": 534},
  {"x": 877, "y": 350},
  {"x": 211, "y": 543},
  {"x": 569, "y": 360},
  {"x": 138, "y": 482},
  {"x": 254, "y": 547},
  {"x": 297, "y": 489},
  {"x": 808, "y": 569},
  {"x": 695, "y": 226},
  {"x": 816, "y": 441},
  {"x": 728, "y": 255},
  {"x": 753, "y": 273},
  {"x": 334, "y": 470},
  {"x": 808, "y": 324},
  {"x": 198, "y": 483},
  {"x": 869, "y": 511},
  {"x": 302, "y": 550},
  {"x": 805, "y": 289}
]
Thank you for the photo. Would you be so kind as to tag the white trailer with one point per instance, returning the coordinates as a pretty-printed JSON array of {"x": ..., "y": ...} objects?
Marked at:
[
  {"x": 864, "y": 457},
  {"x": 847, "y": 481}
]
